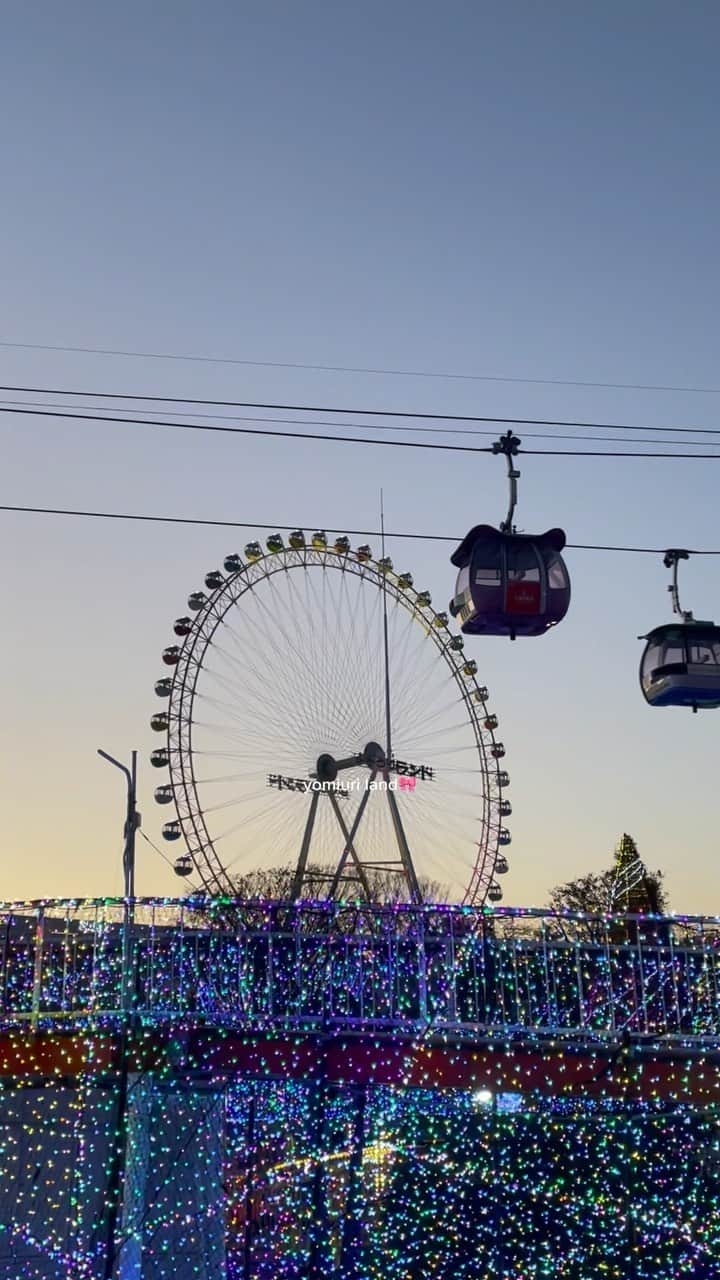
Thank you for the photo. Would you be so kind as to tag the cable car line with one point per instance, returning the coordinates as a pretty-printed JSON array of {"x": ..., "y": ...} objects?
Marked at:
[
  {"x": 344, "y": 439},
  {"x": 509, "y": 583},
  {"x": 615, "y": 453},
  {"x": 288, "y": 528},
  {"x": 363, "y": 412},
  {"x": 333, "y": 368},
  {"x": 256, "y": 431},
  {"x": 367, "y": 426}
]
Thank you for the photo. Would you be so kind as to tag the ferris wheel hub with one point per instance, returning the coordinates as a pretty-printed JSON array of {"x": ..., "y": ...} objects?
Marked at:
[
  {"x": 374, "y": 756},
  {"x": 326, "y": 769}
]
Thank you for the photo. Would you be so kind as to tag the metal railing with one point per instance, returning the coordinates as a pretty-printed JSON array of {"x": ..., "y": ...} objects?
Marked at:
[{"x": 327, "y": 966}]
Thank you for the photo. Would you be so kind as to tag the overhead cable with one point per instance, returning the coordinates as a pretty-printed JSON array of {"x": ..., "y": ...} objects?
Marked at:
[
  {"x": 362, "y": 412},
  {"x": 367, "y": 426},
  {"x": 345, "y": 439},
  {"x": 289, "y": 528},
  {"x": 362, "y": 369}
]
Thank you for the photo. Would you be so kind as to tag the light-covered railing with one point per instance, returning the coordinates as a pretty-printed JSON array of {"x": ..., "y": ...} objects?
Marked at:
[{"x": 331, "y": 967}]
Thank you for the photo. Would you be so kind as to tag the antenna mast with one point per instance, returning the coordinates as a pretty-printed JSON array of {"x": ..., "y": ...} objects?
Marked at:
[
  {"x": 386, "y": 645},
  {"x": 404, "y": 849}
]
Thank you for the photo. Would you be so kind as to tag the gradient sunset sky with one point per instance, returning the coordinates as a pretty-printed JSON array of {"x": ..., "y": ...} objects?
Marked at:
[{"x": 488, "y": 188}]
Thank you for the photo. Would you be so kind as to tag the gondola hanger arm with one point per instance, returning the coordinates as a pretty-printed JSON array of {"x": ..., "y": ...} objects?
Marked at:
[
  {"x": 509, "y": 445},
  {"x": 671, "y": 560}
]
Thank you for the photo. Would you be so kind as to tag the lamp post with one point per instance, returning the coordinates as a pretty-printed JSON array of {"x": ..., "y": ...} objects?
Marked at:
[
  {"x": 116, "y": 1173},
  {"x": 132, "y": 819}
]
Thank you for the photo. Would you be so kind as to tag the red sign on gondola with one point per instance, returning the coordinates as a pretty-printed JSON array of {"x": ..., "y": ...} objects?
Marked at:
[{"x": 522, "y": 597}]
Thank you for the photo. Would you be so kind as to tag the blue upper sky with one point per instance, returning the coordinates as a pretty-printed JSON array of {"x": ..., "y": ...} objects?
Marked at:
[{"x": 501, "y": 189}]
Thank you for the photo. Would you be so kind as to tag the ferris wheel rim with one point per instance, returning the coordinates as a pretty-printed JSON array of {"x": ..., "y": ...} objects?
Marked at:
[{"x": 209, "y": 617}]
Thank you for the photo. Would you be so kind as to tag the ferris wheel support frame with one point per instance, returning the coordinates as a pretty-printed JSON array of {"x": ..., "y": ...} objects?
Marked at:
[{"x": 405, "y": 862}]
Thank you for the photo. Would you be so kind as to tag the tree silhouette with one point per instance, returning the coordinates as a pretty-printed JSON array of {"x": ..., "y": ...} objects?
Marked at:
[
  {"x": 625, "y": 888},
  {"x": 274, "y": 884}
]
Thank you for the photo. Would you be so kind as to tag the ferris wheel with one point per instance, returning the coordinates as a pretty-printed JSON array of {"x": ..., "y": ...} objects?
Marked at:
[{"x": 322, "y": 716}]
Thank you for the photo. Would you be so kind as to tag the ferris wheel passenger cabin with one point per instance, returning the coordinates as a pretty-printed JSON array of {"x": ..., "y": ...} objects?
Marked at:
[{"x": 510, "y": 584}]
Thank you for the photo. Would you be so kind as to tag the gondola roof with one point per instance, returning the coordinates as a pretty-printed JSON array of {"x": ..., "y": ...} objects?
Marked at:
[{"x": 551, "y": 540}]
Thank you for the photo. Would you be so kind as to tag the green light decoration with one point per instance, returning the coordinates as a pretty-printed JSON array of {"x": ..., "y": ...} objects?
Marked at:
[{"x": 247, "y": 1146}]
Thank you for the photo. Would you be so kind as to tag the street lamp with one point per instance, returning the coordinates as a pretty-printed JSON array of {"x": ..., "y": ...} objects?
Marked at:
[
  {"x": 132, "y": 819},
  {"x": 116, "y": 1172}
]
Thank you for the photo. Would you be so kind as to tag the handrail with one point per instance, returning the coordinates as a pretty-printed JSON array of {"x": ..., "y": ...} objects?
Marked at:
[
  {"x": 281, "y": 965},
  {"x": 199, "y": 903}
]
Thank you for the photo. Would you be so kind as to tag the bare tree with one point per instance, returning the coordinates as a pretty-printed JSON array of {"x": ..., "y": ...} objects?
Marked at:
[
  {"x": 589, "y": 894},
  {"x": 627, "y": 887},
  {"x": 274, "y": 884}
]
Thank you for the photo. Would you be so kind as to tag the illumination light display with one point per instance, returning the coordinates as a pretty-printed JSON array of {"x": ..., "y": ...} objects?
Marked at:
[
  {"x": 450, "y": 1187},
  {"x": 208, "y": 1133}
]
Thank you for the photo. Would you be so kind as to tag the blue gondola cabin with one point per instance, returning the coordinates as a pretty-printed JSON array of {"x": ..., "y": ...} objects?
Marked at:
[{"x": 680, "y": 666}]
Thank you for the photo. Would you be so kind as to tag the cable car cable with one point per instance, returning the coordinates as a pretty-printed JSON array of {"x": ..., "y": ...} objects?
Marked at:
[
  {"x": 258, "y": 431},
  {"x": 368, "y": 413},
  {"x": 288, "y": 528},
  {"x": 309, "y": 435},
  {"x": 367, "y": 426}
]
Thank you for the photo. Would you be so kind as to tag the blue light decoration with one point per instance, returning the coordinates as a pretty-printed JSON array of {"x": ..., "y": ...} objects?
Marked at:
[{"x": 274, "y": 1092}]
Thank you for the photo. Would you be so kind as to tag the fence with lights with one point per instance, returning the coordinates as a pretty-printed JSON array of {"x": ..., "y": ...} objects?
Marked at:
[{"x": 329, "y": 966}]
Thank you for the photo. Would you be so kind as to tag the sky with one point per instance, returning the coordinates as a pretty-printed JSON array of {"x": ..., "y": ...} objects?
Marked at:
[{"x": 503, "y": 190}]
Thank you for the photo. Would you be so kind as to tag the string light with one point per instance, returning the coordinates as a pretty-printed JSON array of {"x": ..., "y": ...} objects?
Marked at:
[{"x": 268, "y": 1132}]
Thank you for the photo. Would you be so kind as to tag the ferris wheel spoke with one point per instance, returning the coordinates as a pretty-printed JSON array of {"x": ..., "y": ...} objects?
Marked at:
[
  {"x": 406, "y": 688},
  {"x": 231, "y": 733},
  {"x": 269, "y": 732},
  {"x": 222, "y": 778},
  {"x": 420, "y": 728},
  {"x": 470, "y": 773},
  {"x": 206, "y": 754},
  {"x": 238, "y": 715},
  {"x": 252, "y": 707},
  {"x": 344, "y": 703},
  {"x": 354, "y": 642},
  {"x": 366, "y": 661},
  {"x": 428, "y": 704},
  {"x": 251, "y": 676},
  {"x": 281, "y": 687},
  {"x": 313, "y": 647},
  {"x": 242, "y": 680},
  {"x": 429, "y": 737}
]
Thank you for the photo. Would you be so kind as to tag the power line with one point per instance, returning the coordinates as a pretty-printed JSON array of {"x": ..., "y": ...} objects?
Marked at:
[
  {"x": 367, "y": 413},
  {"x": 339, "y": 368},
  {"x": 367, "y": 426},
  {"x": 289, "y": 528},
  {"x": 345, "y": 439}
]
